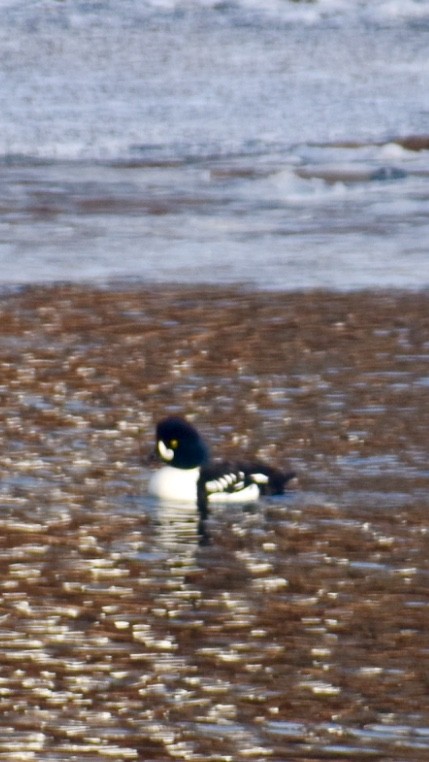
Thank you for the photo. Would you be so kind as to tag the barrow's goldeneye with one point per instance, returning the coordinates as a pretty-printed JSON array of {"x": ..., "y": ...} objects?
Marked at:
[{"x": 190, "y": 476}]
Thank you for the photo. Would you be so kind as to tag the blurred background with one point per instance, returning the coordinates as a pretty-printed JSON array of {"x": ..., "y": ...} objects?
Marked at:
[{"x": 277, "y": 143}]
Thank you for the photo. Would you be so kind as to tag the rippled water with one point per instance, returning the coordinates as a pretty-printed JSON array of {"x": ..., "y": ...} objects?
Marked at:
[{"x": 292, "y": 629}]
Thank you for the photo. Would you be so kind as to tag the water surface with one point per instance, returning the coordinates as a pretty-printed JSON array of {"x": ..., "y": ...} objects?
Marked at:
[{"x": 297, "y": 629}]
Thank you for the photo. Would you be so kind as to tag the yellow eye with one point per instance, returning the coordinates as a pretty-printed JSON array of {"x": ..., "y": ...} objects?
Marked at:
[{"x": 173, "y": 444}]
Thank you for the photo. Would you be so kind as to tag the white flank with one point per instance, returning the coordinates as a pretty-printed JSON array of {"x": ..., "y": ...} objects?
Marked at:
[{"x": 247, "y": 495}]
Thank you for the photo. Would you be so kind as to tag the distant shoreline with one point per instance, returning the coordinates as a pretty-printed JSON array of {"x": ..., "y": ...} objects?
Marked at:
[{"x": 132, "y": 286}]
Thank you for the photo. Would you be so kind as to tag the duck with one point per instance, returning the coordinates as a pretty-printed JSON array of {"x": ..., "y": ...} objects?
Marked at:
[{"x": 189, "y": 475}]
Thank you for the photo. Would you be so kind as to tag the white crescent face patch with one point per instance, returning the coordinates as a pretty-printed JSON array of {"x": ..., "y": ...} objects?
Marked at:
[{"x": 165, "y": 452}]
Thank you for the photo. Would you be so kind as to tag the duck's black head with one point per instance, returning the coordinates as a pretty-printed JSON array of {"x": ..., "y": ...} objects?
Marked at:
[{"x": 179, "y": 444}]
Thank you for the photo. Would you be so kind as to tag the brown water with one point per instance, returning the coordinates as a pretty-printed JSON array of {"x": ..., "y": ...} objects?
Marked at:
[{"x": 299, "y": 630}]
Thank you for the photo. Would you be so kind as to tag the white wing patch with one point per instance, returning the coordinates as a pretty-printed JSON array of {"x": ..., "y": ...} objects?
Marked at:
[
  {"x": 234, "y": 486},
  {"x": 259, "y": 478},
  {"x": 227, "y": 482}
]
